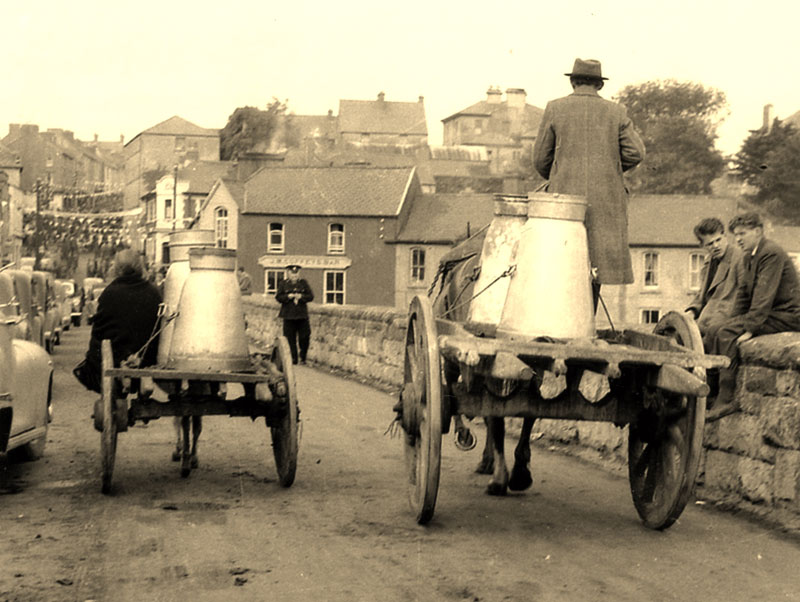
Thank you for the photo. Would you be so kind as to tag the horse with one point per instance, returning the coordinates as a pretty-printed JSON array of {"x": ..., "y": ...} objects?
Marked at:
[{"x": 458, "y": 271}]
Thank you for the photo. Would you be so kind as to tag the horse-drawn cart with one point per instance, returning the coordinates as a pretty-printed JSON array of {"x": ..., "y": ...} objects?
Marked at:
[
  {"x": 654, "y": 383},
  {"x": 268, "y": 391}
]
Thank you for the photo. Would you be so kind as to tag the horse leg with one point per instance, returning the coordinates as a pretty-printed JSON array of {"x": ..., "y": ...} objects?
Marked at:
[
  {"x": 197, "y": 428},
  {"x": 176, "y": 453},
  {"x": 486, "y": 465},
  {"x": 521, "y": 473},
  {"x": 186, "y": 467},
  {"x": 499, "y": 483}
]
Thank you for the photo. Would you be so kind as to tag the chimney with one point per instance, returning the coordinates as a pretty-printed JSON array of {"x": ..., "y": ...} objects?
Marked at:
[
  {"x": 330, "y": 112},
  {"x": 122, "y": 138},
  {"x": 766, "y": 127},
  {"x": 381, "y": 96},
  {"x": 421, "y": 98},
  {"x": 515, "y": 98},
  {"x": 493, "y": 96},
  {"x": 29, "y": 129},
  {"x": 95, "y": 137}
]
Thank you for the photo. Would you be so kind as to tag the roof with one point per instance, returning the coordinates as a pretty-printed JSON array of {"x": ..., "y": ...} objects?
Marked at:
[
  {"x": 793, "y": 119},
  {"x": 203, "y": 174},
  {"x": 327, "y": 190},
  {"x": 445, "y": 218},
  {"x": 176, "y": 126},
  {"x": 669, "y": 220},
  {"x": 382, "y": 117},
  {"x": 503, "y": 122}
]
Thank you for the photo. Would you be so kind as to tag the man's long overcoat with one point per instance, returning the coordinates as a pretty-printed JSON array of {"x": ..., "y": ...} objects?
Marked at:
[{"x": 583, "y": 146}]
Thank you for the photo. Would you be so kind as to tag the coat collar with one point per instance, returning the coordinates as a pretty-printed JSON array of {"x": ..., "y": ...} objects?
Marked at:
[{"x": 585, "y": 91}]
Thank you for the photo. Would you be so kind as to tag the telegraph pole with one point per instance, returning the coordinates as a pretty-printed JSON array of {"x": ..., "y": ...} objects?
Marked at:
[{"x": 37, "y": 224}]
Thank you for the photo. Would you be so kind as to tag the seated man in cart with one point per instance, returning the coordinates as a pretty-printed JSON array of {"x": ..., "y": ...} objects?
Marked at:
[
  {"x": 127, "y": 315},
  {"x": 767, "y": 301}
]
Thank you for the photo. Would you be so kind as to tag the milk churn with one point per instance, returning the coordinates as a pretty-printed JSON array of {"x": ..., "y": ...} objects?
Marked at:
[
  {"x": 179, "y": 244},
  {"x": 209, "y": 333},
  {"x": 550, "y": 293},
  {"x": 510, "y": 214}
]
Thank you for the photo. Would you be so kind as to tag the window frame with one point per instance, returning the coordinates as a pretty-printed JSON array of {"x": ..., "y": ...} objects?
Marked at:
[
  {"x": 326, "y": 291},
  {"x": 336, "y": 249},
  {"x": 649, "y": 311},
  {"x": 655, "y": 270},
  {"x": 696, "y": 271},
  {"x": 415, "y": 270},
  {"x": 219, "y": 240},
  {"x": 276, "y": 248},
  {"x": 280, "y": 274}
]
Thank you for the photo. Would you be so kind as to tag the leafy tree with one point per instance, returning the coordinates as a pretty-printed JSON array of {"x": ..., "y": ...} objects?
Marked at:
[
  {"x": 250, "y": 128},
  {"x": 678, "y": 122},
  {"x": 770, "y": 162}
]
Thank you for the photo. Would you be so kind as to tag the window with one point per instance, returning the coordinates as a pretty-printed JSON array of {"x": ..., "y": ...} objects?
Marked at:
[
  {"x": 695, "y": 265},
  {"x": 649, "y": 316},
  {"x": 165, "y": 253},
  {"x": 180, "y": 143},
  {"x": 168, "y": 209},
  {"x": 650, "y": 270},
  {"x": 334, "y": 287},
  {"x": 221, "y": 227},
  {"x": 272, "y": 278},
  {"x": 151, "y": 210},
  {"x": 275, "y": 238},
  {"x": 417, "y": 265},
  {"x": 336, "y": 239},
  {"x": 189, "y": 207}
]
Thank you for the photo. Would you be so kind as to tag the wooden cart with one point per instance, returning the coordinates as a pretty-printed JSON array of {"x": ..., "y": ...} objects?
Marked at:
[
  {"x": 656, "y": 386},
  {"x": 269, "y": 391}
]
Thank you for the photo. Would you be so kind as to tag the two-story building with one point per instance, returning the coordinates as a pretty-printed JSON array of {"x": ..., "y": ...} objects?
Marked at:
[
  {"x": 155, "y": 151},
  {"x": 382, "y": 122}
]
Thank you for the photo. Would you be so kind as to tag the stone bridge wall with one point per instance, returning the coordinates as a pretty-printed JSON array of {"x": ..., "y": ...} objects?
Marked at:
[{"x": 751, "y": 459}]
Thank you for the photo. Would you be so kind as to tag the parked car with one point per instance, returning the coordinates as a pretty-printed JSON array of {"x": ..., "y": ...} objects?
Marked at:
[
  {"x": 63, "y": 290},
  {"x": 75, "y": 298},
  {"x": 44, "y": 306},
  {"x": 26, "y": 389},
  {"x": 29, "y": 326},
  {"x": 92, "y": 287}
]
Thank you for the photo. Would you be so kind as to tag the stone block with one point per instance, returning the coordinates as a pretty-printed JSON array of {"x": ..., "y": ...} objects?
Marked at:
[
  {"x": 741, "y": 434},
  {"x": 787, "y": 382},
  {"x": 756, "y": 479},
  {"x": 722, "y": 471},
  {"x": 786, "y": 477},
  {"x": 602, "y": 436},
  {"x": 751, "y": 403},
  {"x": 711, "y": 435},
  {"x": 758, "y": 379},
  {"x": 779, "y": 422},
  {"x": 563, "y": 431}
]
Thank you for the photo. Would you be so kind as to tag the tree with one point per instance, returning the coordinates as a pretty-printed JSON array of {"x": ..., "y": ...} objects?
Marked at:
[
  {"x": 265, "y": 130},
  {"x": 678, "y": 122}
]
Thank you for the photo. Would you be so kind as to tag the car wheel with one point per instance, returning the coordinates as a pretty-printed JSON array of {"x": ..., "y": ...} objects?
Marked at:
[{"x": 32, "y": 450}]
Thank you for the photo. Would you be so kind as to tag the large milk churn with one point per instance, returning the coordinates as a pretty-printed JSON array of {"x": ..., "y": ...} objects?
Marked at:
[
  {"x": 510, "y": 215},
  {"x": 550, "y": 293},
  {"x": 179, "y": 244},
  {"x": 209, "y": 332}
]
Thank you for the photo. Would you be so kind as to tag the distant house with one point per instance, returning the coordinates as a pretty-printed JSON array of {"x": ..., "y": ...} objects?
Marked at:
[
  {"x": 382, "y": 122},
  {"x": 506, "y": 128},
  {"x": 173, "y": 205},
  {"x": 158, "y": 149},
  {"x": 220, "y": 212},
  {"x": 333, "y": 221},
  {"x": 666, "y": 257},
  {"x": 435, "y": 224}
]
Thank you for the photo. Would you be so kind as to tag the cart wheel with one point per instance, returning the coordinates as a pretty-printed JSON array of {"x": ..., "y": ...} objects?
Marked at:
[
  {"x": 284, "y": 435},
  {"x": 666, "y": 440},
  {"x": 422, "y": 409},
  {"x": 108, "y": 438}
]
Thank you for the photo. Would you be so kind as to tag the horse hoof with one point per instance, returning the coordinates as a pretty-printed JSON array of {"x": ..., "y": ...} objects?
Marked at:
[
  {"x": 496, "y": 489},
  {"x": 520, "y": 479},
  {"x": 185, "y": 472},
  {"x": 176, "y": 456},
  {"x": 485, "y": 466},
  {"x": 193, "y": 462}
]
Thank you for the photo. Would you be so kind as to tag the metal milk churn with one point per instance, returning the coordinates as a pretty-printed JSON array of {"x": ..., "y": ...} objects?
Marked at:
[
  {"x": 209, "y": 332},
  {"x": 510, "y": 215},
  {"x": 550, "y": 293},
  {"x": 179, "y": 244}
]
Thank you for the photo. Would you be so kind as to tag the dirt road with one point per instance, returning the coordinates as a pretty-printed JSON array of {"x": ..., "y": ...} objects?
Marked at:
[{"x": 343, "y": 531}]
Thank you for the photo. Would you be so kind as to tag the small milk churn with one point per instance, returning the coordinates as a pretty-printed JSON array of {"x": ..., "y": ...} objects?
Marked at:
[
  {"x": 209, "y": 332},
  {"x": 179, "y": 244},
  {"x": 550, "y": 293},
  {"x": 510, "y": 215}
]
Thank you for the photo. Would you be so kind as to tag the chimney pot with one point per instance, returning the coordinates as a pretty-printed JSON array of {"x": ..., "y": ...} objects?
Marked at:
[
  {"x": 421, "y": 98},
  {"x": 381, "y": 96},
  {"x": 767, "y": 124}
]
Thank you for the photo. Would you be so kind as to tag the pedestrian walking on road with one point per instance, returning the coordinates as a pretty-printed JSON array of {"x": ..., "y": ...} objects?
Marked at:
[
  {"x": 245, "y": 281},
  {"x": 294, "y": 294}
]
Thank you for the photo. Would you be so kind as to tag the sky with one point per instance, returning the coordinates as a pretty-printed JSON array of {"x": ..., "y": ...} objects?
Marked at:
[{"x": 117, "y": 68}]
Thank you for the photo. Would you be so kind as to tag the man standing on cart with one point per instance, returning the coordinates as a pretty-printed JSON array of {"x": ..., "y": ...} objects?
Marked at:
[
  {"x": 584, "y": 145},
  {"x": 294, "y": 294}
]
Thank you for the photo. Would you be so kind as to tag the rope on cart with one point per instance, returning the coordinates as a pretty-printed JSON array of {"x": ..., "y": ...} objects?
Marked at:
[
  {"x": 134, "y": 359},
  {"x": 509, "y": 272}
]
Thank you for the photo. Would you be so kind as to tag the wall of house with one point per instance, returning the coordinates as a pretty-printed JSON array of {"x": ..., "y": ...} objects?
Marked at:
[
  {"x": 206, "y": 220},
  {"x": 405, "y": 288},
  {"x": 387, "y": 139},
  {"x": 370, "y": 278}
]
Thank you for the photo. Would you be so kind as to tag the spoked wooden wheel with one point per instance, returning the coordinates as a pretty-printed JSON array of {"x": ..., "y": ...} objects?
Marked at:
[
  {"x": 108, "y": 438},
  {"x": 284, "y": 434},
  {"x": 422, "y": 409},
  {"x": 666, "y": 440}
]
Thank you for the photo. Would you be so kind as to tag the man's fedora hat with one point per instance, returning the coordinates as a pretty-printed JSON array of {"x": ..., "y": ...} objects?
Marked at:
[{"x": 587, "y": 68}]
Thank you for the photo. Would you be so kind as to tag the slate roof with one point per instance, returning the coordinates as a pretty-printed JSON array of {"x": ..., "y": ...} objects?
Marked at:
[
  {"x": 342, "y": 191},
  {"x": 177, "y": 126},
  {"x": 443, "y": 218},
  {"x": 203, "y": 174},
  {"x": 382, "y": 117},
  {"x": 669, "y": 220}
]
